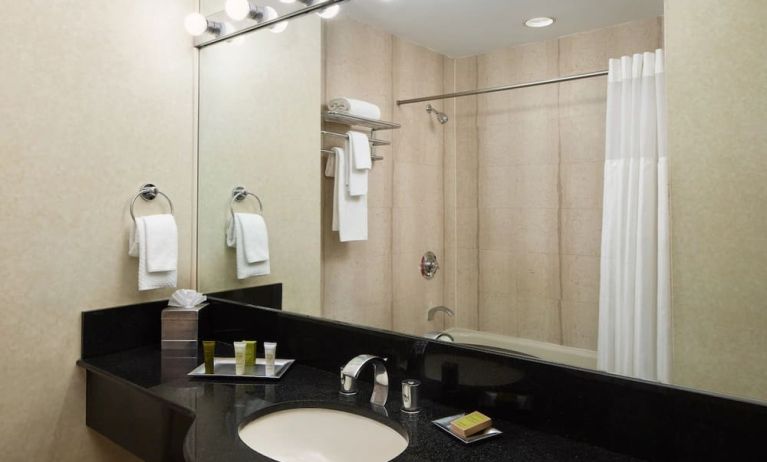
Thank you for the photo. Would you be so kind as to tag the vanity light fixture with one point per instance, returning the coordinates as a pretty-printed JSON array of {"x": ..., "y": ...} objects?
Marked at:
[
  {"x": 253, "y": 17},
  {"x": 197, "y": 24},
  {"x": 239, "y": 10},
  {"x": 325, "y": 13},
  {"x": 542, "y": 21}
]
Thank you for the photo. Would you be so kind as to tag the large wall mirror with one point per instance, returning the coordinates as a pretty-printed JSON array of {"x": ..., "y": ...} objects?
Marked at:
[{"x": 505, "y": 188}]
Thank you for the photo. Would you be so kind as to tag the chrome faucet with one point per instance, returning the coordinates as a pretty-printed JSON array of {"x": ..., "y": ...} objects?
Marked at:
[
  {"x": 432, "y": 311},
  {"x": 351, "y": 372}
]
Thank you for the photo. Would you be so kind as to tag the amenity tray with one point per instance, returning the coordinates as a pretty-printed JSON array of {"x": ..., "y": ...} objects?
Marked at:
[{"x": 225, "y": 367}]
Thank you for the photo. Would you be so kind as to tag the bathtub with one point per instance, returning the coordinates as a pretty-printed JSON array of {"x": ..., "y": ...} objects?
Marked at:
[{"x": 552, "y": 352}]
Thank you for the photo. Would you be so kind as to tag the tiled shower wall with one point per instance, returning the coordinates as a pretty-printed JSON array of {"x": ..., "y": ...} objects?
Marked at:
[
  {"x": 507, "y": 193},
  {"x": 377, "y": 282},
  {"x": 531, "y": 168}
]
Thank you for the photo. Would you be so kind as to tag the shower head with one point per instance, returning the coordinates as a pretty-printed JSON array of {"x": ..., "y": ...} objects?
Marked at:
[{"x": 441, "y": 116}]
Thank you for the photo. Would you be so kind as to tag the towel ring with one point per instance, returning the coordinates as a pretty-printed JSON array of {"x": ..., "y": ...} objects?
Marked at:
[
  {"x": 149, "y": 192},
  {"x": 239, "y": 194}
]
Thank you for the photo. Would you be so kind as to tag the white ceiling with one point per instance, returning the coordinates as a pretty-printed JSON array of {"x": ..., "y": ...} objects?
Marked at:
[{"x": 468, "y": 27}]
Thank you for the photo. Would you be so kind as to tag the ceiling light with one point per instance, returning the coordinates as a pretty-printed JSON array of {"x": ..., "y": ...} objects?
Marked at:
[
  {"x": 197, "y": 24},
  {"x": 542, "y": 21}
]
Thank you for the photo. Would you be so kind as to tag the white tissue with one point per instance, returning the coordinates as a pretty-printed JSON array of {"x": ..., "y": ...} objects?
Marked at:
[{"x": 186, "y": 298}]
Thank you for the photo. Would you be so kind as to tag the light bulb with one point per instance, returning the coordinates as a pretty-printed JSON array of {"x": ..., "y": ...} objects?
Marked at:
[
  {"x": 196, "y": 24},
  {"x": 237, "y": 9},
  {"x": 329, "y": 12},
  {"x": 270, "y": 14}
]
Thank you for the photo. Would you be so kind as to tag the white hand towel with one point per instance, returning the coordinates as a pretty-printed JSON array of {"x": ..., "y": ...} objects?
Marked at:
[
  {"x": 360, "y": 145},
  {"x": 357, "y": 177},
  {"x": 139, "y": 247},
  {"x": 256, "y": 244},
  {"x": 355, "y": 107},
  {"x": 161, "y": 243},
  {"x": 255, "y": 237},
  {"x": 350, "y": 213}
]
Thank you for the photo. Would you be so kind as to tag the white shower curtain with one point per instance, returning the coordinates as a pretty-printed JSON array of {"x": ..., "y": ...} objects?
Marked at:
[{"x": 634, "y": 294}]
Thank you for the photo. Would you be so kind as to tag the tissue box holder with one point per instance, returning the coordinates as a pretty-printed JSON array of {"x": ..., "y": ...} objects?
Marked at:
[{"x": 179, "y": 330}]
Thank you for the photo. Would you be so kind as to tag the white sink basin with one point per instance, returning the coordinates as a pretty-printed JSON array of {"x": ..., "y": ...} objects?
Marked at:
[{"x": 322, "y": 435}]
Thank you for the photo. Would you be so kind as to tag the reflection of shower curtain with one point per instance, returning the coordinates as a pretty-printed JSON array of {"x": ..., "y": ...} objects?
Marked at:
[{"x": 634, "y": 298}]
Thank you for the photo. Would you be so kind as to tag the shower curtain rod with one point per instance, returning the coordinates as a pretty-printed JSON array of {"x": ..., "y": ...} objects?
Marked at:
[{"x": 501, "y": 88}]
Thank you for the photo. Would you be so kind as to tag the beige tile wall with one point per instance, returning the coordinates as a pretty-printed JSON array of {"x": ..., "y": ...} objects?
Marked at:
[
  {"x": 376, "y": 282},
  {"x": 541, "y": 156},
  {"x": 357, "y": 276},
  {"x": 96, "y": 98},
  {"x": 461, "y": 289},
  {"x": 717, "y": 145},
  {"x": 418, "y": 194}
]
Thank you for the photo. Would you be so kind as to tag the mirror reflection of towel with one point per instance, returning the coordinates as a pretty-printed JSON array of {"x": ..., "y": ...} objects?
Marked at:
[
  {"x": 248, "y": 235},
  {"x": 350, "y": 213}
]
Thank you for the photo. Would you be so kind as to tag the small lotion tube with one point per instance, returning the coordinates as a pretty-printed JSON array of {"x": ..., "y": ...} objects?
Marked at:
[
  {"x": 270, "y": 353},
  {"x": 239, "y": 358},
  {"x": 250, "y": 352},
  {"x": 209, "y": 352}
]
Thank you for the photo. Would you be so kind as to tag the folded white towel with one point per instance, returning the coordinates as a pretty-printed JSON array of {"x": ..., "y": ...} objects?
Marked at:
[
  {"x": 355, "y": 107},
  {"x": 350, "y": 213},
  {"x": 247, "y": 234},
  {"x": 357, "y": 177},
  {"x": 154, "y": 240},
  {"x": 161, "y": 243},
  {"x": 360, "y": 147}
]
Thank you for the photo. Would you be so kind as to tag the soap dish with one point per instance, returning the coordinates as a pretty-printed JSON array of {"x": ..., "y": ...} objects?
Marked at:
[{"x": 444, "y": 424}]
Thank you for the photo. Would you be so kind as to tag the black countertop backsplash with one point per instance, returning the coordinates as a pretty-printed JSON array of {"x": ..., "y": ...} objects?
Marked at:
[{"x": 548, "y": 412}]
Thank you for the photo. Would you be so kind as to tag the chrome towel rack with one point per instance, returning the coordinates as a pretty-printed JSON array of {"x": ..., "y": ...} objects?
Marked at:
[
  {"x": 355, "y": 121},
  {"x": 149, "y": 192},
  {"x": 239, "y": 194}
]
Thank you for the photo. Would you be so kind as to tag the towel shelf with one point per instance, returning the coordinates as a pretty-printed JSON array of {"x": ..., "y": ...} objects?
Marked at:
[
  {"x": 356, "y": 121},
  {"x": 149, "y": 192},
  {"x": 348, "y": 119}
]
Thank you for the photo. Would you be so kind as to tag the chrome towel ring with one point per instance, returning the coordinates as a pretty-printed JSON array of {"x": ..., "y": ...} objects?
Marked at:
[
  {"x": 149, "y": 192},
  {"x": 239, "y": 194}
]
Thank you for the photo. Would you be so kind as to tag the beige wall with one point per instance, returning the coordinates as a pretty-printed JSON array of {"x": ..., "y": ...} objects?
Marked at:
[
  {"x": 541, "y": 155},
  {"x": 96, "y": 98},
  {"x": 260, "y": 128},
  {"x": 377, "y": 282},
  {"x": 717, "y": 146}
]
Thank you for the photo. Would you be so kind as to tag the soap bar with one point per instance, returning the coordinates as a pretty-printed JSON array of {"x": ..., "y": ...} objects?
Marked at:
[{"x": 470, "y": 424}]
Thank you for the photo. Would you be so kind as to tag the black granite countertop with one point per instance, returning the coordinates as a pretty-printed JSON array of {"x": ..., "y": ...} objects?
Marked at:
[{"x": 220, "y": 406}]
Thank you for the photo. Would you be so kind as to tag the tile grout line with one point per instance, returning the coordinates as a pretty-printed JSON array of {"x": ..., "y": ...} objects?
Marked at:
[{"x": 560, "y": 197}]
